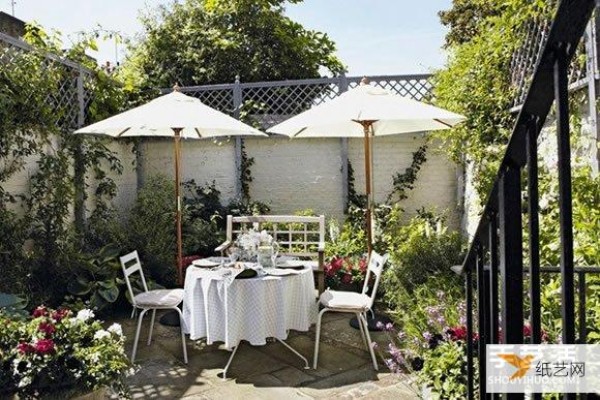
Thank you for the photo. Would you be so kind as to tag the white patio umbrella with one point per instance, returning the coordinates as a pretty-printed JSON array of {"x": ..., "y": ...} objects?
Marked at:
[
  {"x": 367, "y": 111},
  {"x": 173, "y": 115}
]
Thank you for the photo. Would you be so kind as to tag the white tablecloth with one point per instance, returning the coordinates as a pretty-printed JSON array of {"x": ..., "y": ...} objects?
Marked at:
[{"x": 247, "y": 309}]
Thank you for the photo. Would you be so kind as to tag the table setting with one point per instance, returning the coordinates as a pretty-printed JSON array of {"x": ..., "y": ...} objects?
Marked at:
[{"x": 246, "y": 296}]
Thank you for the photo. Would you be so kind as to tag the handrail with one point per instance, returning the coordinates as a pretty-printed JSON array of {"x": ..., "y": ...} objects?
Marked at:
[
  {"x": 539, "y": 99},
  {"x": 493, "y": 266}
]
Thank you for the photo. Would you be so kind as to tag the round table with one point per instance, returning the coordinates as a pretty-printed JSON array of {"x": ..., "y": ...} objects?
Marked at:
[{"x": 247, "y": 309}]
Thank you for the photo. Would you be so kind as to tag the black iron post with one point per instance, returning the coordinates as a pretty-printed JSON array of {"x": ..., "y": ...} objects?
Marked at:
[
  {"x": 534, "y": 234},
  {"x": 511, "y": 259},
  {"x": 469, "y": 295},
  {"x": 561, "y": 96},
  {"x": 483, "y": 315}
]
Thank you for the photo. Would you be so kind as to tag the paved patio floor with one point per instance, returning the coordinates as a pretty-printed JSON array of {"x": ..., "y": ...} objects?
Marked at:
[{"x": 263, "y": 372}]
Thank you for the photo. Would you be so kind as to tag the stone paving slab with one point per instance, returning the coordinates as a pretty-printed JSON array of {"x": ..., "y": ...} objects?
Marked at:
[{"x": 262, "y": 372}]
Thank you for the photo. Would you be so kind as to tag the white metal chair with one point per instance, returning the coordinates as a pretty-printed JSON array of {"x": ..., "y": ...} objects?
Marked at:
[
  {"x": 159, "y": 299},
  {"x": 352, "y": 302}
]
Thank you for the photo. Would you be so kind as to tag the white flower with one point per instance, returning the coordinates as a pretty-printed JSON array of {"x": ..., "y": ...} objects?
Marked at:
[
  {"x": 84, "y": 315},
  {"x": 95, "y": 357},
  {"x": 101, "y": 334},
  {"x": 25, "y": 381},
  {"x": 265, "y": 238},
  {"x": 116, "y": 329}
]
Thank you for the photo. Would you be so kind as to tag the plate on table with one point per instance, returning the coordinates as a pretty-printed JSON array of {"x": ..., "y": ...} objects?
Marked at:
[
  {"x": 291, "y": 264},
  {"x": 278, "y": 271},
  {"x": 206, "y": 263}
]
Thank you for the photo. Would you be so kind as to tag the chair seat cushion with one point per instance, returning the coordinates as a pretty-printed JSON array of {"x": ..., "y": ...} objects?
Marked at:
[
  {"x": 159, "y": 298},
  {"x": 345, "y": 300}
]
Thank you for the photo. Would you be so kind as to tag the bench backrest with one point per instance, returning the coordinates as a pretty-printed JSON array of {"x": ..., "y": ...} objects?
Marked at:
[{"x": 296, "y": 235}]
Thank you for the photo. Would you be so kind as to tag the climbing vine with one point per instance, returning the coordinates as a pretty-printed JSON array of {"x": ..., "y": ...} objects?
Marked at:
[
  {"x": 405, "y": 181},
  {"x": 246, "y": 163},
  {"x": 476, "y": 82},
  {"x": 36, "y": 132}
]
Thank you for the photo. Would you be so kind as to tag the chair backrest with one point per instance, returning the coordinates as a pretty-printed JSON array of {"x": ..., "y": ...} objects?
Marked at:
[
  {"x": 131, "y": 264},
  {"x": 376, "y": 263},
  {"x": 296, "y": 235}
]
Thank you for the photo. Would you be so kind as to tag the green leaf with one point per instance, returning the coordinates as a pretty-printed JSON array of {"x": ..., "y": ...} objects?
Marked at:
[
  {"x": 109, "y": 294},
  {"x": 79, "y": 287}
]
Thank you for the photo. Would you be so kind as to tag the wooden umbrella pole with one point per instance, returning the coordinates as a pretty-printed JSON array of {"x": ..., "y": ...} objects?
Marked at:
[
  {"x": 366, "y": 127},
  {"x": 178, "y": 199}
]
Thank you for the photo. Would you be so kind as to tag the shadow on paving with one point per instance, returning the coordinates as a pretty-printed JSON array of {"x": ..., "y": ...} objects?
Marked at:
[{"x": 261, "y": 372}]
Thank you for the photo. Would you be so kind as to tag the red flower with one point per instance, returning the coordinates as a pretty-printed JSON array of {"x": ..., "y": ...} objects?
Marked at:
[
  {"x": 347, "y": 278},
  {"x": 47, "y": 328},
  {"x": 41, "y": 311},
  {"x": 59, "y": 314},
  {"x": 24, "y": 348},
  {"x": 457, "y": 333},
  {"x": 44, "y": 346},
  {"x": 362, "y": 264},
  {"x": 334, "y": 266},
  {"x": 527, "y": 330}
]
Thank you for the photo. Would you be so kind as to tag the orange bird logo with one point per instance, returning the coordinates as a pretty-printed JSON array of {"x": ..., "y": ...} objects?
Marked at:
[{"x": 522, "y": 364}]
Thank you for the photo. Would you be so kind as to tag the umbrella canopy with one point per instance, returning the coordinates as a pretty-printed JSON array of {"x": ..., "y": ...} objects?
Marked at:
[
  {"x": 367, "y": 111},
  {"x": 389, "y": 113},
  {"x": 159, "y": 117},
  {"x": 173, "y": 115}
]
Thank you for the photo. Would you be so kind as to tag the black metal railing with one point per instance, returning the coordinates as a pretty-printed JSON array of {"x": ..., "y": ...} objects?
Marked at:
[{"x": 495, "y": 256}]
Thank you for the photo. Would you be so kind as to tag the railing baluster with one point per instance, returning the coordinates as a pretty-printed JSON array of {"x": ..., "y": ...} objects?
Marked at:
[
  {"x": 564, "y": 194},
  {"x": 483, "y": 314},
  {"x": 534, "y": 234},
  {"x": 582, "y": 317},
  {"x": 469, "y": 295},
  {"x": 494, "y": 311},
  {"x": 511, "y": 259}
]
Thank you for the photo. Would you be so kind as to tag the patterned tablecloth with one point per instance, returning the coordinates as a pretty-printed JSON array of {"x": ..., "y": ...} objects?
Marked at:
[{"x": 247, "y": 309}]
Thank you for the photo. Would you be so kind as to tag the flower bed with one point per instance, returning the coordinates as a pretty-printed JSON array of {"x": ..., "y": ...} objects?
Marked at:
[
  {"x": 56, "y": 350},
  {"x": 346, "y": 273}
]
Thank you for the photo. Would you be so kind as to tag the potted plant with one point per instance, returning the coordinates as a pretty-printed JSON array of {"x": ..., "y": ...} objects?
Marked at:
[{"x": 59, "y": 353}]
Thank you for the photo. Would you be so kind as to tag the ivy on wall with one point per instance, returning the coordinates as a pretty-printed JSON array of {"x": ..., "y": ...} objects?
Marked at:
[{"x": 403, "y": 182}]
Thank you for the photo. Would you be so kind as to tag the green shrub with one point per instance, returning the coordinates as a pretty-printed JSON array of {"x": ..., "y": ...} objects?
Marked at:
[
  {"x": 445, "y": 371},
  {"x": 424, "y": 249},
  {"x": 151, "y": 229}
]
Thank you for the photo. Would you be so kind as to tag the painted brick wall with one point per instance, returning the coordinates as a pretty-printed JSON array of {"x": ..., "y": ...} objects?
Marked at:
[
  {"x": 291, "y": 175},
  {"x": 202, "y": 160},
  {"x": 436, "y": 185}
]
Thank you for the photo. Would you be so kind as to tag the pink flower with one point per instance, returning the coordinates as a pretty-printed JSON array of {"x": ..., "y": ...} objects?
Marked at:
[
  {"x": 457, "y": 333},
  {"x": 24, "y": 348},
  {"x": 347, "y": 278},
  {"x": 41, "y": 311},
  {"x": 47, "y": 328},
  {"x": 44, "y": 346},
  {"x": 362, "y": 265},
  {"x": 59, "y": 314}
]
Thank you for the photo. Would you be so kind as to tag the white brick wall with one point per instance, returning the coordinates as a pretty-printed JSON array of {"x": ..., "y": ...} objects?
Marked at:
[
  {"x": 202, "y": 160},
  {"x": 289, "y": 175}
]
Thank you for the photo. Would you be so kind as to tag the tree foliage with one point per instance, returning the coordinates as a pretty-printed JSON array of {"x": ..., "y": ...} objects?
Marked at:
[
  {"x": 465, "y": 18},
  {"x": 211, "y": 41},
  {"x": 476, "y": 81}
]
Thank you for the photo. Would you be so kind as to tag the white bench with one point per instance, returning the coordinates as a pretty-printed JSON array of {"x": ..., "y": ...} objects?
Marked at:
[{"x": 297, "y": 236}]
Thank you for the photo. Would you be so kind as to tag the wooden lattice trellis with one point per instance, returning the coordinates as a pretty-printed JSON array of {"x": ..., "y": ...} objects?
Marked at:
[
  {"x": 70, "y": 100},
  {"x": 269, "y": 103}
]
